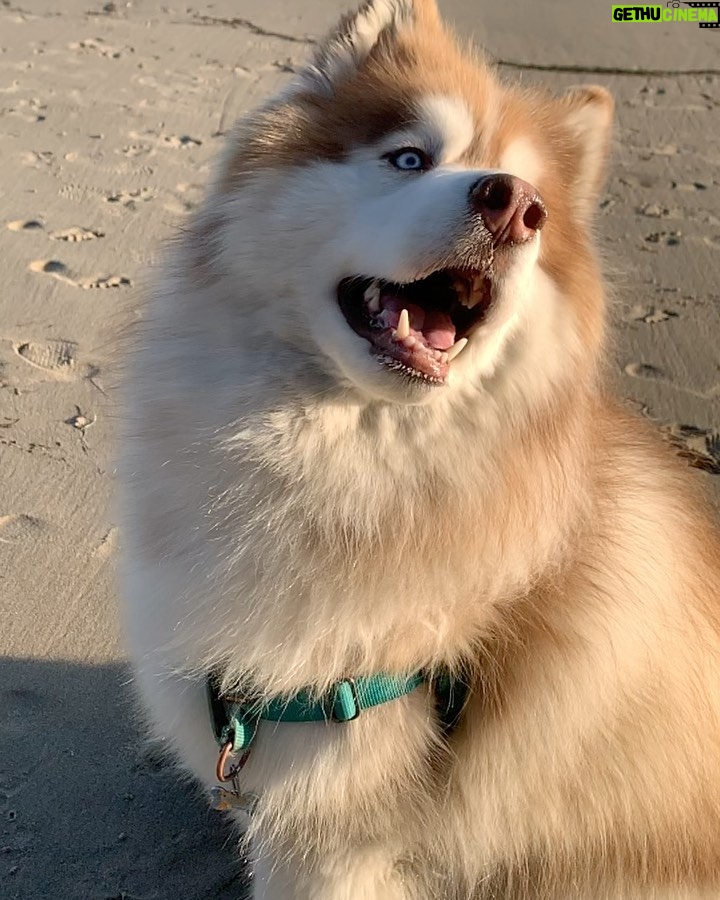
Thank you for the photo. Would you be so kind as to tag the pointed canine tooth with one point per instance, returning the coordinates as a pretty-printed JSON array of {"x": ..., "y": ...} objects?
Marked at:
[
  {"x": 460, "y": 291},
  {"x": 456, "y": 349},
  {"x": 403, "y": 325},
  {"x": 444, "y": 358},
  {"x": 372, "y": 297},
  {"x": 476, "y": 292}
]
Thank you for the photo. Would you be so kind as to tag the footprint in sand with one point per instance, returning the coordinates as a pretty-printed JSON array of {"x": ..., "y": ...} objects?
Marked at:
[
  {"x": 76, "y": 234},
  {"x": 130, "y": 199},
  {"x": 57, "y": 357},
  {"x": 98, "y": 45},
  {"x": 699, "y": 446},
  {"x": 642, "y": 370},
  {"x": 669, "y": 238},
  {"x": 653, "y": 373},
  {"x": 51, "y": 267},
  {"x": 37, "y": 158},
  {"x": 26, "y": 225},
  {"x": 16, "y": 527},
  {"x": 658, "y": 211},
  {"x": 58, "y": 360},
  {"x": 186, "y": 197},
  {"x": 143, "y": 139},
  {"x": 650, "y": 315},
  {"x": 61, "y": 272},
  {"x": 133, "y": 150},
  {"x": 180, "y": 142},
  {"x": 32, "y": 110},
  {"x": 689, "y": 186},
  {"x": 193, "y": 190}
]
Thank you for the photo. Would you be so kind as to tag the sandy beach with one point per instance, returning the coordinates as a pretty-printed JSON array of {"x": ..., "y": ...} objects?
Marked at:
[{"x": 110, "y": 118}]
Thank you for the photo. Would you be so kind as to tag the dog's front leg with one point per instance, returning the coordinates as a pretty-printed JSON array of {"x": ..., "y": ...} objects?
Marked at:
[{"x": 368, "y": 874}]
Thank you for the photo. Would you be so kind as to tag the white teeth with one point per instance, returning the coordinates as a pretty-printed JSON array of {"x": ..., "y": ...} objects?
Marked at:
[
  {"x": 476, "y": 292},
  {"x": 372, "y": 297},
  {"x": 403, "y": 326},
  {"x": 460, "y": 288},
  {"x": 456, "y": 349}
]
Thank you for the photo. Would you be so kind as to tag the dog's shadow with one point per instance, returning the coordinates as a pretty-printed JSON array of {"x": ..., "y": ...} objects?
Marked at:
[{"x": 88, "y": 811}]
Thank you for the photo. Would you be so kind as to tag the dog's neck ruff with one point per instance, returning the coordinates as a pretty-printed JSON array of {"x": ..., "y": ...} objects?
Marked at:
[{"x": 235, "y": 715}]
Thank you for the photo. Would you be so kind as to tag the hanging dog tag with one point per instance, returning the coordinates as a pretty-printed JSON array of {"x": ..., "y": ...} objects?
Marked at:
[{"x": 224, "y": 800}]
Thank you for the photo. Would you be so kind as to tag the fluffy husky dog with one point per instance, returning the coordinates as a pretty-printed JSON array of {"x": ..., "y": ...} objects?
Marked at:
[{"x": 368, "y": 435}]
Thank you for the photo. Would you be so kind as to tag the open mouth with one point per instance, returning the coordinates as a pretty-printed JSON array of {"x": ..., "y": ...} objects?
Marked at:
[{"x": 417, "y": 329}]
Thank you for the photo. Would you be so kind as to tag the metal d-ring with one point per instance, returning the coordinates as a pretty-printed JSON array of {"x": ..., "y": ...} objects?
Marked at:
[{"x": 226, "y": 752}]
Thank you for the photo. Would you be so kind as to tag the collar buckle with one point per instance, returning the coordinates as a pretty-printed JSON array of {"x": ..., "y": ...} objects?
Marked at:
[{"x": 345, "y": 704}]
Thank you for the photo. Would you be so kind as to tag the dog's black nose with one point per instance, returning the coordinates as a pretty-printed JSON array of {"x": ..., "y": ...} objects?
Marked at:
[{"x": 511, "y": 209}]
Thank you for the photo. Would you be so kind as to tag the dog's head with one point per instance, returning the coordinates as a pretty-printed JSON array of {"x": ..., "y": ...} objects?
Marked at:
[{"x": 403, "y": 218}]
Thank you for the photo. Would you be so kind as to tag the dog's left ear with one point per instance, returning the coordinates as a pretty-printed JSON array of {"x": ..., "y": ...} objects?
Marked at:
[
  {"x": 352, "y": 41},
  {"x": 587, "y": 114}
]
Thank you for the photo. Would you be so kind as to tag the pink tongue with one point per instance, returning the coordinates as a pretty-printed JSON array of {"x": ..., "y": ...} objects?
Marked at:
[
  {"x": 435, "y": 327},
  {"x": 439, "y": 330}
]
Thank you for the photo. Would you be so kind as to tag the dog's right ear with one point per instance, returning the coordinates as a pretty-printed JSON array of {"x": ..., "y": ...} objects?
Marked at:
[
  {"x": 587, "y": 114},
  {"x": 353, "y": 40}
]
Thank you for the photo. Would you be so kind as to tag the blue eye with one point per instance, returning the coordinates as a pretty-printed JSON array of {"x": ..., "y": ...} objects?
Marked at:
[{"x": 409, "y": 159}]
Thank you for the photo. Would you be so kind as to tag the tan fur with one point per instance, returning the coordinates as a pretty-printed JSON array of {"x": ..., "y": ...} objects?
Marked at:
[{"x": 527, "y": 530}]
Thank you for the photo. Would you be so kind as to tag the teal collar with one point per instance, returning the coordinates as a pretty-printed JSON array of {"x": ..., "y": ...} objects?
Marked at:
[{"x": 235, "y": 715}]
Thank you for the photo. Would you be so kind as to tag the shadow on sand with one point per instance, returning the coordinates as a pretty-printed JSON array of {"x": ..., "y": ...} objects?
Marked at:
[{"x": 87, "y": 810}]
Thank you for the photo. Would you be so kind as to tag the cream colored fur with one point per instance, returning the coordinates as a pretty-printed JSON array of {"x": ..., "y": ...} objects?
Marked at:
[{"x": 295, "y": 515}]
